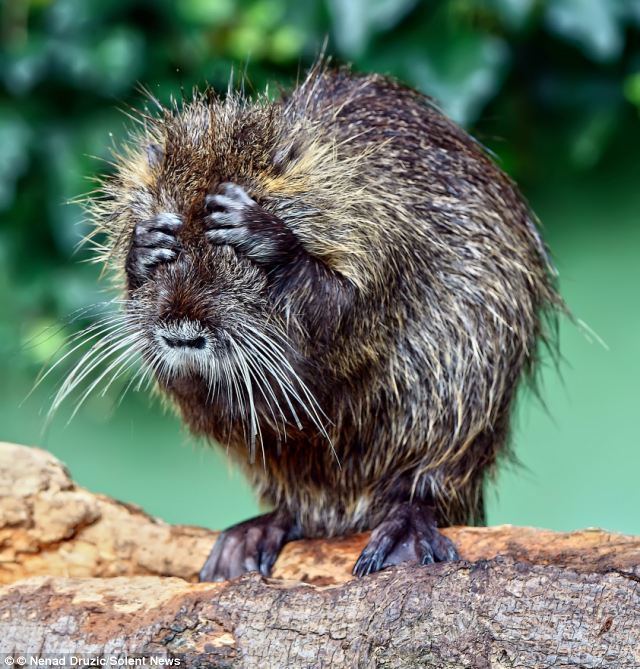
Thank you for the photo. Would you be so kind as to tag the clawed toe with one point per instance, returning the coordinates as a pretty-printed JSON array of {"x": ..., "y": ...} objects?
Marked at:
[
  {"x": 225, "y": 209},
  {"x": 236, "y": 193},
  {"x": 226, "y": 235},
  {"x": 154, "y": 256}
]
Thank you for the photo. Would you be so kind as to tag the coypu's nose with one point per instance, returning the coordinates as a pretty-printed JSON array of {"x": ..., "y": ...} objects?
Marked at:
[
  {"x": 198, "y": 342},
  {"x": 183, "y": 335}
]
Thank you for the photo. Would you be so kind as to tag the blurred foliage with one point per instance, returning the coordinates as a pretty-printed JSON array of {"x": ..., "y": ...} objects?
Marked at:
[{"x": 563, "y": 74}]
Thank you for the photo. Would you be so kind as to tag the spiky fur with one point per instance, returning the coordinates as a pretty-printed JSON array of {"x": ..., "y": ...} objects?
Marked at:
[{"x": 430, "y": 308}]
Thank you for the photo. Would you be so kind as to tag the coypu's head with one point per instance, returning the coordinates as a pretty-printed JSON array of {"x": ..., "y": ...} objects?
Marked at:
[{"x": 198, "y": 314}]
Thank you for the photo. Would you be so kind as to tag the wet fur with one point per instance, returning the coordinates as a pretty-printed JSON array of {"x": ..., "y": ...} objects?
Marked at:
[{"x": 417, "y": 302}]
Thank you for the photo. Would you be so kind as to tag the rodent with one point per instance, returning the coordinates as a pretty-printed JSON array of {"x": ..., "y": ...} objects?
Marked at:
[{"x": 343, "y": 290}]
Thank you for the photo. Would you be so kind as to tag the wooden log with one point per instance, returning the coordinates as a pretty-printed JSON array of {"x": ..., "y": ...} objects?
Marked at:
[{"x": 88, "y": 575}]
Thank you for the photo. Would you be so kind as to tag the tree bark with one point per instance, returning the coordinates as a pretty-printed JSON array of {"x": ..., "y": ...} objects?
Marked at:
[{"x": 88, "y": 575}]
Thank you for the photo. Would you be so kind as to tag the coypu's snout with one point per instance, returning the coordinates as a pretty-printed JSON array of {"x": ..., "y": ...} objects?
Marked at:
[
  {"x": 184, "y": 345},
  {"x": 182, "y": 335},
  {"x": 198, "y": 310}
]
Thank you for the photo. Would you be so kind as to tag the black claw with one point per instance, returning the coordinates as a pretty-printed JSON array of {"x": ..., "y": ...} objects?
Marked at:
[
  {"x": 267, "y": 560},
  {"x": 363, "y": 566},
  {"x": 211, "y": 205},
  {"x": 408, "y": 534},
  {"x": 444, "y": 549},
  {"x": 374, "y": 555},
  {"x": 427, "y": 554}
]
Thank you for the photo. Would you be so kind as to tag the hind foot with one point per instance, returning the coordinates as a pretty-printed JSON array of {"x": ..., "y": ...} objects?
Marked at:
[
  {"x": 250, "y": 546},
  {"x": 407, "y": 534}
]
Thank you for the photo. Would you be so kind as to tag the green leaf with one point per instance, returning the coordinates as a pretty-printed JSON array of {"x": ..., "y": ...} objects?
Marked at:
[
  {"x": 15, "y": 137},
  {"x": 356, "y": 21},
  {"x": 514, "y": 12},
  {"x": 591, "y": 137},
  {"x": 286, "y": 43},
  {"x": 594, "y": 25},
  {"x": 117, "y": 59},
  {"x": 464, "y": 78},
  {"x": 264, "y": 14},
  {"x": 632, "y": 89},
  {"x": 207, "y": 12}
]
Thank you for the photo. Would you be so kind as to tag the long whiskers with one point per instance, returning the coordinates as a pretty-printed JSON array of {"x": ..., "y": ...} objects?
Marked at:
[
  {"x": 114, "y": 342},
  {"x": 264, "y": 357},
  {"x": 255, "y": 378}
]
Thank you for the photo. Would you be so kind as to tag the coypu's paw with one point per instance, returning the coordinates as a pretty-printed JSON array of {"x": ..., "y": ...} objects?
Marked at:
[
  {"x": 407, "y": 534},
  {"x": 153, "y": 242},
  {"x": 235, "y": 219},
  {"x": 250, "y": 546}
]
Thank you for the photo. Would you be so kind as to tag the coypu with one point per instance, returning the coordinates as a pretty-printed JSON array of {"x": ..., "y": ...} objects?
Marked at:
[{"x": 342, "y": 289}]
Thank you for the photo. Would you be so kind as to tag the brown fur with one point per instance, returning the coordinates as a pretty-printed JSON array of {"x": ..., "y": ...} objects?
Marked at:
[{"x": 425, "y": 308}]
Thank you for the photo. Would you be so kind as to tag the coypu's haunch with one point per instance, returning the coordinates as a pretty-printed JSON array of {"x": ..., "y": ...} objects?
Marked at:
[{"x": 344, "y": 291}]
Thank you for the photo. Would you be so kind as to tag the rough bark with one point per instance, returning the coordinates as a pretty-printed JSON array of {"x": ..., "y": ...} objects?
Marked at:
[{"x": 519, "y": 598}]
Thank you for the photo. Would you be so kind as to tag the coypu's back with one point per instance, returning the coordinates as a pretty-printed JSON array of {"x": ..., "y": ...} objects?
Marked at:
[{"x": 458, "y": 290}]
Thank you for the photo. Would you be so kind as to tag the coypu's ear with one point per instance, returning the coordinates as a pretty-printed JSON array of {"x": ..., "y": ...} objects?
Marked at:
[
  {"x": 284, "y": 156},
  {"x": 155, "y": 154}
]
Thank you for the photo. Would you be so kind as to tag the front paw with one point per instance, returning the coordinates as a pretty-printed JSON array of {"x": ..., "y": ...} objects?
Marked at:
[
  {"x": 153, "y": 242},
  {"x": 250, "y": 546},
  {"x": 237, "y": 220}
]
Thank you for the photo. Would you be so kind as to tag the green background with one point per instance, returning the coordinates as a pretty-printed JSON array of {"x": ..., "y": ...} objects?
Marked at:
[{"x": 553, "y": 88}]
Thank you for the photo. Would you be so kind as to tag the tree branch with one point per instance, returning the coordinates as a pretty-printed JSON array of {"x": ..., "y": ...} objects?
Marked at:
[{"x": 520, "y": 597}]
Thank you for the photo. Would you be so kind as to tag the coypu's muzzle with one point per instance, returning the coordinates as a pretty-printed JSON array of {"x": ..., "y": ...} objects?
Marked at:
[{"x": 197, "y": 307}]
